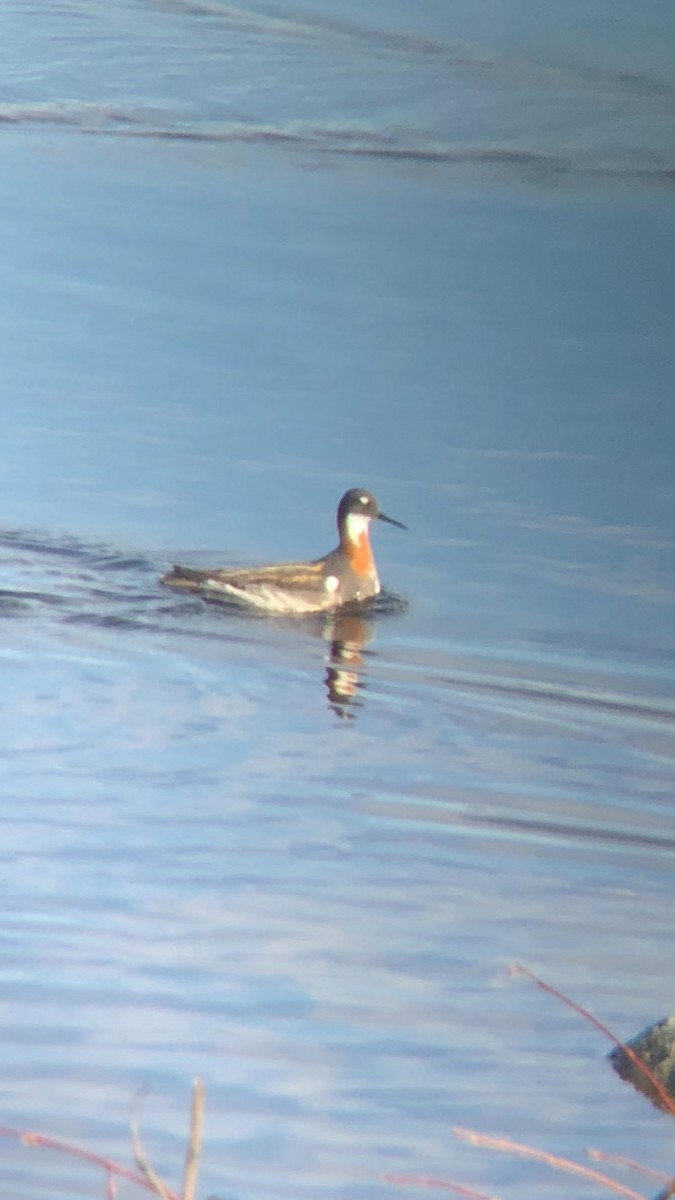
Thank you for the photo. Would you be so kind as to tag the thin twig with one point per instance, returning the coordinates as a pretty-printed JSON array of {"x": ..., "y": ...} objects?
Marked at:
[
  {"x": 144, "y": 1166},
  {"x": 427, "y": 1182},
  {"x": 621, "y": 1161},
  {"x": 194, "y": 1147},
  {"x": 45, "y": 1140},
  {"x": 667, "y": 1100},
  {"x": 552, "y": 1160}
]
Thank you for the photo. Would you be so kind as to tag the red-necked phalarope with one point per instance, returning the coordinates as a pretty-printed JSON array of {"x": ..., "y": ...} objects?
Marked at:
[{"x": 347, "y": 574}]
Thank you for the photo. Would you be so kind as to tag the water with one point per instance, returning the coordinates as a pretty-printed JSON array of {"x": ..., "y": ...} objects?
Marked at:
[{"x": 252, "y": 257}]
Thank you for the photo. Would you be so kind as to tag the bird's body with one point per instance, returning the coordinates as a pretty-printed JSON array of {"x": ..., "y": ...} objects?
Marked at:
[{"x": 347, "y": 574}]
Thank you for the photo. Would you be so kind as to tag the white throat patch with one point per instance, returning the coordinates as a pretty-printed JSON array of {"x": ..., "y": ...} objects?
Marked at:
[{"x": 356, "y": 526}]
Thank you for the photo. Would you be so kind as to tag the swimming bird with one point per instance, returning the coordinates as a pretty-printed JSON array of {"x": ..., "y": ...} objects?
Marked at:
[{"x": 346, "y": 574}]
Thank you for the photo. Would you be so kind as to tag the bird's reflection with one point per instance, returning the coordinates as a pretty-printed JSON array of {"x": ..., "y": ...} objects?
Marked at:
[{"x": 348, "y": 634}]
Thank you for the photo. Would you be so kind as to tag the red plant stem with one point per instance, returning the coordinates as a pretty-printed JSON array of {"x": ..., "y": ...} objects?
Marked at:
[
  {"x": 560, "y": 1164},
  {"x": 620, "y": 1160},
  {"x": 444, "y": 1184},
  {"x": 31, "y": 1138},
  {"x": 667, "y": 1100}
]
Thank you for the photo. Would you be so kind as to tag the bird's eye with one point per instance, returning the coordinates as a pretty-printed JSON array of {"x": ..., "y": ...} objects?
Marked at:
[{"x": 363, "y": 499}]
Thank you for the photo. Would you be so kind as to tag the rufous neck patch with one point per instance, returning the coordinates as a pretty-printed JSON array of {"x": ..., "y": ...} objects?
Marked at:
[
  {"x": 356, "y": 544},
  {"x": 361, "y": 556}
]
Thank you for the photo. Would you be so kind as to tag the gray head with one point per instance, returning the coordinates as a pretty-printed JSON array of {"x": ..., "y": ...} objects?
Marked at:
[{"x": 362, "y": 503}]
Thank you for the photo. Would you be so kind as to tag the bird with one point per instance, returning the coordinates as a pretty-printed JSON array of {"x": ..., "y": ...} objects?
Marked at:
[{"x": 346, "y": 575}]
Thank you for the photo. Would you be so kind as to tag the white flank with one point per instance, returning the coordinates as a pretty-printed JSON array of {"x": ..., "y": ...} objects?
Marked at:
[{"x": 269, "y": 599}]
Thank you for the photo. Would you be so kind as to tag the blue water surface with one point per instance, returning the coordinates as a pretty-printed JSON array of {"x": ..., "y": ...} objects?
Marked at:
[{"x": 252, "y": 257}]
